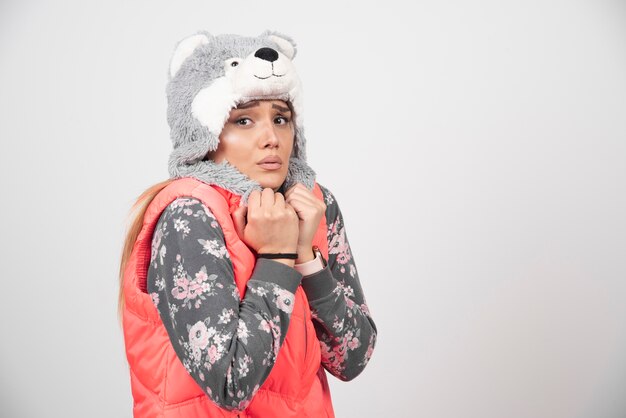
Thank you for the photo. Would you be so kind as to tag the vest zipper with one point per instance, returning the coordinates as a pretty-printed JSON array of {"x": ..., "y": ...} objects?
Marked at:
[{"x": 306, "y": 339}]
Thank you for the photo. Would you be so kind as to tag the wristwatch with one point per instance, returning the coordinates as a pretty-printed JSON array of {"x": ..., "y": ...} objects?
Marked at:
[{"x": 313, "y": 266}]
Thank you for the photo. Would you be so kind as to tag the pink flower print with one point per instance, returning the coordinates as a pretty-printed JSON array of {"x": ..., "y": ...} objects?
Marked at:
[
  {"x": 339, "y": 246},
  {"x": 194, "y": 289},
  {"x": 242, "y": 332},
  {"x": 333, "y": 360},
  {"x": 155, "y": 298},
  {"x": 212, "y": 331},
  {"x": 275, "y": 333},
  {"x": 199, "y": 335},
  {"x": 181, "y": 225},
  {"x": 244, "y": 404},
  {"x": 244, "y": 364},
  {"x": 332, "y": 229},
  {"x": 187, "y": 211},
  {"x": 213, "y": 247},
  {"x": 340, "y": 350},
  {"x": 338, "y": 289},
  {"x": 284, "y": 300},
  {"x": 196, "y": 353},
  {"x": 264, "y": 326},
  {"x": 212, "y": 352},
  {"x": 343, "y": 258},
  {"x": 156, "y": 242},
  {"x": 353, "y": 344},
  {"x": 338, "y": 325},
  {"x": 349, "y": 303},
  {"x": 370, "y": 350},
  {"x": 325, "y": 356},
  {"x": 181, "y": 289},
  {"x": 201, "y": 275},
  {"x": 365, "y": 309}
]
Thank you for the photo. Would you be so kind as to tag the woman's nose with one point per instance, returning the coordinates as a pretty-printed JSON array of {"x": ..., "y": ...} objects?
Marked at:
[{"x": 269, "y": 137}]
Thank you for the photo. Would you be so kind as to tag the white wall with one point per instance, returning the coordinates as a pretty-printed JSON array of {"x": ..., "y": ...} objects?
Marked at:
[{"x": 477, "y": 150}]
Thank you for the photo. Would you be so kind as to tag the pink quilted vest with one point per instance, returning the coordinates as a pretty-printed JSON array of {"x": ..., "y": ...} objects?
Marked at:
[{"x": 161, "y": 387}]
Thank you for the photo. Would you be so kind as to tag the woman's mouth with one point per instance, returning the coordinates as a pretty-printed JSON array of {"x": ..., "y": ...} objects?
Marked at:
[
  {"x": 270, "y": 166},
  {"x": 271, "y": 162}
]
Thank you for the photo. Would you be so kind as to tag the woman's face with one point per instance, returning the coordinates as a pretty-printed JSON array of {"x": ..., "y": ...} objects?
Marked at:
[{"x": 258, "y": 138}]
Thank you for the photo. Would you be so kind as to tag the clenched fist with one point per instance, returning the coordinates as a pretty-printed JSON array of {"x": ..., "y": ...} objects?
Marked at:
[
  {"x": 310, "y": 210},
  {"x": 271, "y": 225}
]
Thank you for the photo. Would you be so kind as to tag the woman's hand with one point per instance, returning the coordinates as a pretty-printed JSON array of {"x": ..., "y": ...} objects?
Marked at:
[
  {"x": 272, "y": 224},
  {"x": 310, "y": 210}
]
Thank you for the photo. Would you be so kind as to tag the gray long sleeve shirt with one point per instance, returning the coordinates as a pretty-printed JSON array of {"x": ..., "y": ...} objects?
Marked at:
[{"x": 229, "y": 344}]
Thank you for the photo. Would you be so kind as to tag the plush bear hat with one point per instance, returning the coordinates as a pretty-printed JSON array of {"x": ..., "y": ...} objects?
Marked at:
[{"x": 208, "y": 77}]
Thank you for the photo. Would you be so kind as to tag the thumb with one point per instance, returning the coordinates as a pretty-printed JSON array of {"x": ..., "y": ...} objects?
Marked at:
[{"x": 239, "y": 219}]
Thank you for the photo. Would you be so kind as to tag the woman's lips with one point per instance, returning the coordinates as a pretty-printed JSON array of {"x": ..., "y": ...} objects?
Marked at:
[
  {"x": 271, "y": 166},
  {"x": 271, "y": 162}
]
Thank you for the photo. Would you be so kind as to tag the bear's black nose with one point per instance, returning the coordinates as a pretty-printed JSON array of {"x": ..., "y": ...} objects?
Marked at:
[{"x": 267, "y": 54}]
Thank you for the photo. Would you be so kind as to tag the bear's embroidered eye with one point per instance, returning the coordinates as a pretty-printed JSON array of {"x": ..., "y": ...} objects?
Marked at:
[{"x": 231, "y": 63}]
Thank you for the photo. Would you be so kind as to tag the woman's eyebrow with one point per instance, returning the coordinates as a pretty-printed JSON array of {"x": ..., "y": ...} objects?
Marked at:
[{"x": 279, "y": 107}]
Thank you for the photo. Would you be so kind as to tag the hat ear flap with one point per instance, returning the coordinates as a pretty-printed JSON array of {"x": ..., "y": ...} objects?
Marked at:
[
  {"x": 286, "y": 45},
  {"x": 184, "y": 49}
]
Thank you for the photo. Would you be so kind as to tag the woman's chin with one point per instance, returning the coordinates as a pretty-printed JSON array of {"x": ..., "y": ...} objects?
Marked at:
[{"x": 271, "y": 180}]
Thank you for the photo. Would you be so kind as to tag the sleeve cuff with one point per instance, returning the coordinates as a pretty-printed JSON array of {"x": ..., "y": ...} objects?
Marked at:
[
  {"x": 319, "y": 285},
  {"x": 310, "y": 267},
  {"x": 274, "y": 272}
]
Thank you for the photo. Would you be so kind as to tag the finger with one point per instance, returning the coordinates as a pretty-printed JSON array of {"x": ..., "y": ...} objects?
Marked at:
[
  {"x": 239, "y": 219},
  {"x": 301, "y": 207},
  {"x": 293, "y": 188},
  {"x": 300, "y": 188},
  {"x": 304, "y": 195},
  {"x": 279, "y": 200},
  {"x": 267, "y": 197},
  {"x": 254, "y": 200},
  {"x": 292, "y": 211}
]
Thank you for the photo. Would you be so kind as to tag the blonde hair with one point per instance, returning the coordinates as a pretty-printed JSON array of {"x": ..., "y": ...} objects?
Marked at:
[{"x": 135, "y": 224}]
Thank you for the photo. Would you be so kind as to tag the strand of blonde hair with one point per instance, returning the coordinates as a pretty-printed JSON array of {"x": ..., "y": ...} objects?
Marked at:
[{"x": 135, "y": 223}]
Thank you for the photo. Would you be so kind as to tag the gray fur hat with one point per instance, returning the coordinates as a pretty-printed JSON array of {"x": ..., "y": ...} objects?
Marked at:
[{"x": 208, "y": 77}]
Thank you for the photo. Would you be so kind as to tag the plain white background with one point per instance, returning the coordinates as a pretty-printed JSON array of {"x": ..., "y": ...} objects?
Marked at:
[{"x": 477, "y": 150}]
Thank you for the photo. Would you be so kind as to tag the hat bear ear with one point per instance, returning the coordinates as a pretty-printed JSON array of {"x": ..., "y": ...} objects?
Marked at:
[
  {"x": 286, "y": 45},
  {"x": 185, "y": 48}
]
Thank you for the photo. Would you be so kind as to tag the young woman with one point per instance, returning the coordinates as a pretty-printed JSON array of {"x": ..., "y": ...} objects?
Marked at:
[{"x": 238, "y": 286}]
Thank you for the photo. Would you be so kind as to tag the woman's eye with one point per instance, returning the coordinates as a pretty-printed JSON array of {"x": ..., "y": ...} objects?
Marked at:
[
  {"x": 281, "y": 120},
  {"x": 243, "y": 121}
]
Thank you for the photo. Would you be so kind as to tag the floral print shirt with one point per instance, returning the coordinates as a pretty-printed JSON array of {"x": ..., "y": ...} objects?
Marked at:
[{"x": 229, "y": 344}]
